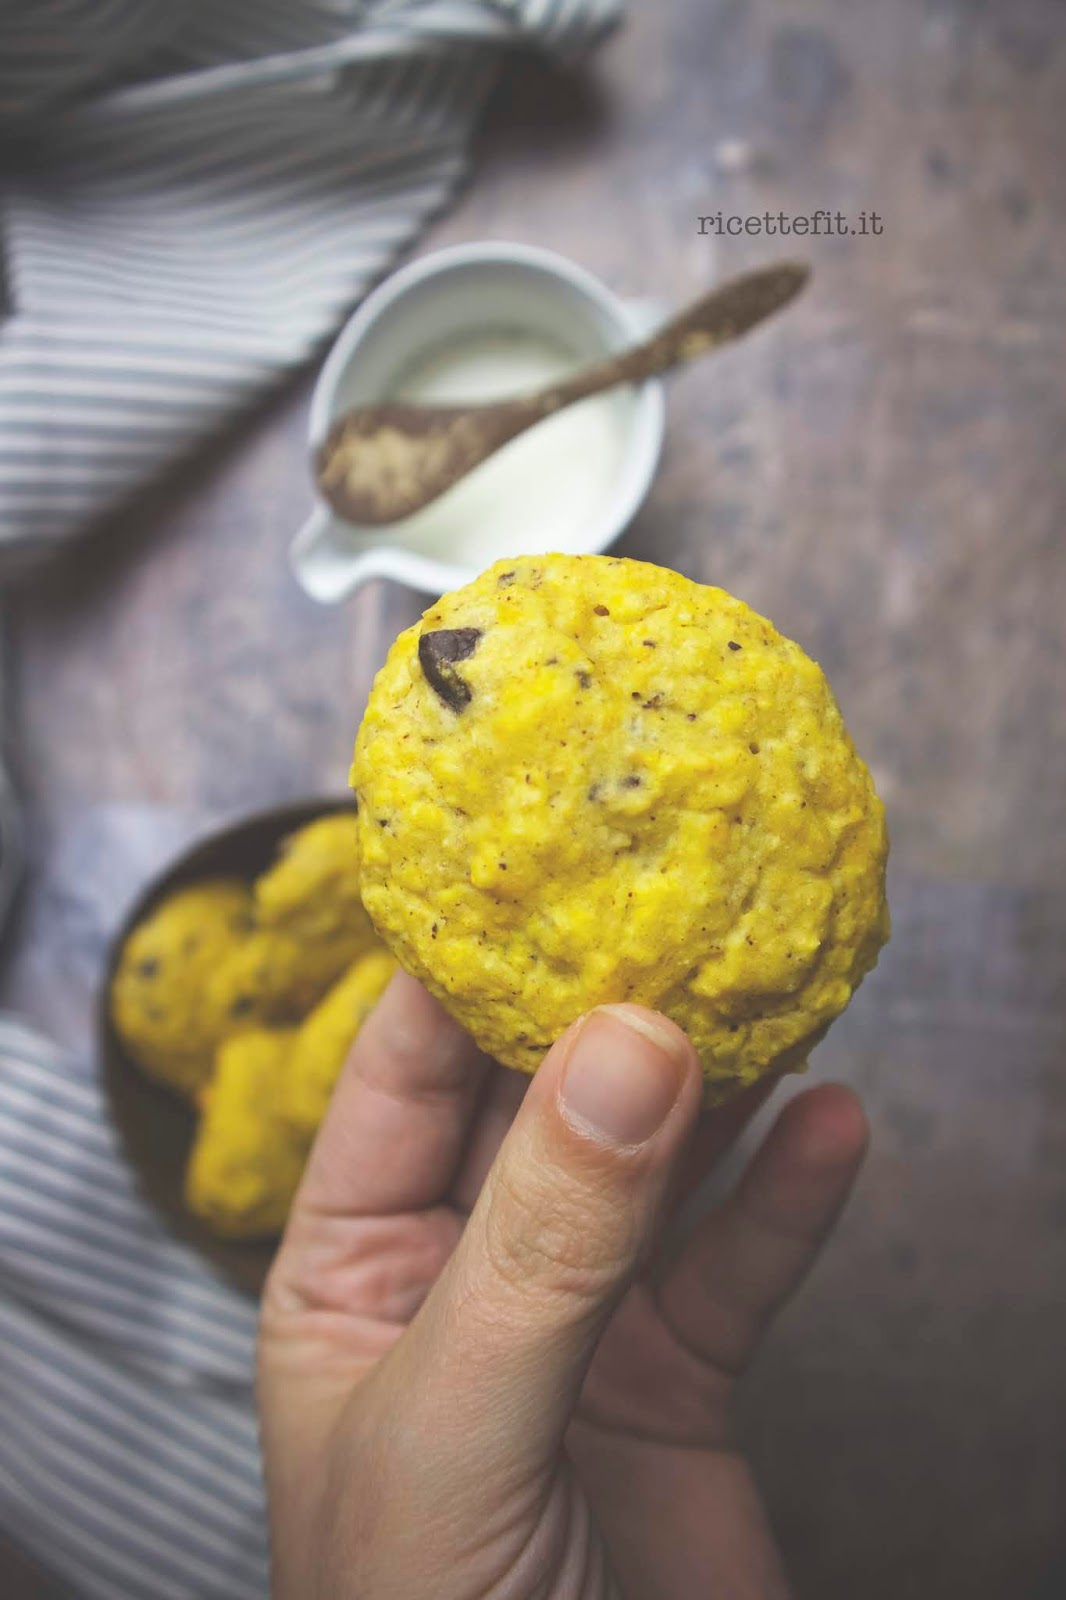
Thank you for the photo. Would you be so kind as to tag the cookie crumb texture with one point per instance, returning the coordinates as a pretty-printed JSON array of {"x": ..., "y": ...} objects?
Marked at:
[
  {"x": 323, "y": 1041},
  {"x": 166, "y": 967},
  {"x": 617, "y": 784},
  {"x": 311, "y": 893},
  {"x": 220, "y": 957},
  {"x": 245, "y": 1164}
]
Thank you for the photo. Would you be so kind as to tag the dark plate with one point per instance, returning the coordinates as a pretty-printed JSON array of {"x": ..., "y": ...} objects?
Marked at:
[{"x": 155, "y": 1126}]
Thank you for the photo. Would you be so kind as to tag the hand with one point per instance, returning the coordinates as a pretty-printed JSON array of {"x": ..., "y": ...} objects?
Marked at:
[{"x": 476, "y": 1375}]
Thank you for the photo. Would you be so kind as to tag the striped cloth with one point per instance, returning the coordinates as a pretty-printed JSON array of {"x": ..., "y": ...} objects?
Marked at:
[
  {"x": 128, "y": 1453},
  {"x": 192, "y": 195},
  {"x": 11, "y": 827}
]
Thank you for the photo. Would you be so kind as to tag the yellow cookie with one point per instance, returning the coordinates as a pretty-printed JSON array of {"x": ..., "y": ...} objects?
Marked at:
[
  {"x": 158, "y": 990},
  {"x": 312, "y": 891},
  {"x": 586, "y": 780},
  {"x": 246, "y": 1161},
  {"x": 323, "y": 1042},
  {"x": 275, "y": 978}
]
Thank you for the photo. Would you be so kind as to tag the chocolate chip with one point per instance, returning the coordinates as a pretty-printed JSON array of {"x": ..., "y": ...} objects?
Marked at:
[
  {"x": 601, "y": 611},
  {"x": 733, "y": 645},
  {"x": 437, "y": 654},
  {"x": 585, "y": 679},
  {"x": 631, "y": 781}
]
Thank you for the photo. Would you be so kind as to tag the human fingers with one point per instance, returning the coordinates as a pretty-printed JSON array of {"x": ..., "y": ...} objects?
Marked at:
[
  {"x": 748, "y": 1256},
  {"x": 561, "y": 1224}
]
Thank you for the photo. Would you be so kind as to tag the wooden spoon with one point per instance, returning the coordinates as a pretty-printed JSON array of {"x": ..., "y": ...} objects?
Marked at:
[{"x": 382, "y": 462}]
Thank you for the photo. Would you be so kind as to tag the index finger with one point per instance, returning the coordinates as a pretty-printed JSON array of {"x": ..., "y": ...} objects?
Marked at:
[{"x": 716, "y": 1133}]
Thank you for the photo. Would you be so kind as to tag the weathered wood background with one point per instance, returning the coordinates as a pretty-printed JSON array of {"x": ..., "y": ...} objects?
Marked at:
[{"x": 883, "y": 473}]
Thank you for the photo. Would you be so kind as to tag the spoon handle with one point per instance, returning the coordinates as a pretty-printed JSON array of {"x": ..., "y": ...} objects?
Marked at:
[{"x": 715, "y": 319}]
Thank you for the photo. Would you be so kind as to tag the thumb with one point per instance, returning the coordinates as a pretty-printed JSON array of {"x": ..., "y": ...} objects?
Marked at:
[{"x": 561, "y": 1224}]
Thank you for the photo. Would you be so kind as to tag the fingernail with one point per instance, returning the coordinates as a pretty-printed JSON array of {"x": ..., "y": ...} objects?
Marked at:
[{"x": 622, "y": 1077}]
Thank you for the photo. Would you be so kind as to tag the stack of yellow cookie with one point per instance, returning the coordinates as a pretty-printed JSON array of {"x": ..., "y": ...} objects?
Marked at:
[
  {"x": 580, "y": 780},
  {"x": 245, "y": 999}
]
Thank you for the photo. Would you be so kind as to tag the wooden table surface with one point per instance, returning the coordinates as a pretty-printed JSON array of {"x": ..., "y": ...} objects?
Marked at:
[{"x": 882, "y": 472}]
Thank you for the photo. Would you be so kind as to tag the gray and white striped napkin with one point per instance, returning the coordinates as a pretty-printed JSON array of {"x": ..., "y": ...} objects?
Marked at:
[
  {"x": 129, "y": 1462},
  {"x": 191, "y": 196}
]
